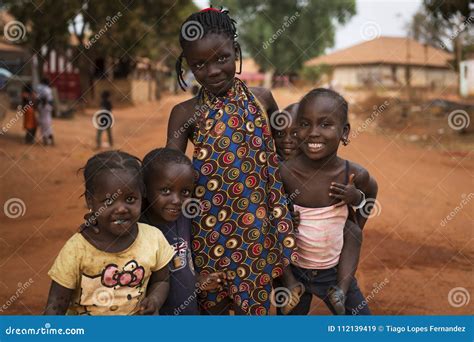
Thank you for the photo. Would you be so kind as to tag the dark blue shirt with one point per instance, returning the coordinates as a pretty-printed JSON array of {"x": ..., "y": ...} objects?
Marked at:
[{"x": 182, "y": 297}]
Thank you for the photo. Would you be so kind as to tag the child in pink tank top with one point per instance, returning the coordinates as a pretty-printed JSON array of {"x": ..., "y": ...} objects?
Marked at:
[{"x": 331, "y": 201}]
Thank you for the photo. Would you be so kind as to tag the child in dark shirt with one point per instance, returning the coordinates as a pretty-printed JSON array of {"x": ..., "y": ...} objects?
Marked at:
[{"x": 169, "y": 184}]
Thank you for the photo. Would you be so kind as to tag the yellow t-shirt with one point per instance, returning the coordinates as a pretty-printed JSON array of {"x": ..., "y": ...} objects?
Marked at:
[{"x": 110, "y": 283}]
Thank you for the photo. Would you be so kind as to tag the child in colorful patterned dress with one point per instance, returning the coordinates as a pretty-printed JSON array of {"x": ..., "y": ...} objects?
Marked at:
[{"x": 245, "y": 228}]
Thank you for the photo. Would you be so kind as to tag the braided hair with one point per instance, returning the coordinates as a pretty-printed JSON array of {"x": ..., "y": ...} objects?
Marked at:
[
  {"x": 110, "y": 160},
  {"x": 342, "y": 105},
  {"x": 199, "y": 24}
]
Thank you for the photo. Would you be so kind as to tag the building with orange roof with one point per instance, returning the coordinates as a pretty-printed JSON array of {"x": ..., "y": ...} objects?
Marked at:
[{"x": 389, "y": 62}]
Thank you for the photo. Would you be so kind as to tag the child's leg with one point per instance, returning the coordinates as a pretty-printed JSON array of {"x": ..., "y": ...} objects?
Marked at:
[
  {"x": 349, "y": 259},
  {"x": 356, "y": 303},
  {"x": 303, "y": 278},
  {"x": 294, "y": 287}
]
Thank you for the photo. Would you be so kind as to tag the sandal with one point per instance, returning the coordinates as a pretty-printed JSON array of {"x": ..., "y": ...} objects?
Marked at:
[
  {"x": 337, "y": 298},
  {"x": 295, "y": 295}
]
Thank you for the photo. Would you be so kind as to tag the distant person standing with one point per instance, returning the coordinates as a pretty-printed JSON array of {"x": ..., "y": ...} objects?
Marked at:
[
  {"x": 45, "y": 109},
  {"x": 28, "y": 109},
  {"x": 104, "y": 119}
]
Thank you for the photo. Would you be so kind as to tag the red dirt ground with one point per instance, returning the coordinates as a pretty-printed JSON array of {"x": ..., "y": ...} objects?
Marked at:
[{"x": 410, "y": 260}]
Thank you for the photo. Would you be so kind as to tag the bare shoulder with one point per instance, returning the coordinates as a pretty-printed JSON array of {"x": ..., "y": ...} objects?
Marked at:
[
  {"x": 265, "y": 96},
  {"x": 363, "y": 180},
  {"x": 183, "y": 110}
]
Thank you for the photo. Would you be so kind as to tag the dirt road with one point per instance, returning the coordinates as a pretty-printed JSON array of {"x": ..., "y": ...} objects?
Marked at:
[{"x": 417, "y": 251}]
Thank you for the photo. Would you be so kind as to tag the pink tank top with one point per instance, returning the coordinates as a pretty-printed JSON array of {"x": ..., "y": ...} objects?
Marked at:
[{"x": 320, "y": 236}]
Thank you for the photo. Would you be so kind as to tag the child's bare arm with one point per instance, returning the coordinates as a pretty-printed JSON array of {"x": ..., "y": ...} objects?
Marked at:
[
  {"x": 157, "y": 292},
  {"x": 370, "y": 191},
  {"x": 213, "y": 281},
  {"x": 178, "y": 130},
  {"x": 359, "y": 179},
  {"x": 58, "y": 299}
]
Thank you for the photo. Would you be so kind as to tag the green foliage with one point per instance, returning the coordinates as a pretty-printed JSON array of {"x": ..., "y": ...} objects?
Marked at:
[
  {"x": 282, "y": 35},
  {"x": 120, "y": 30}
]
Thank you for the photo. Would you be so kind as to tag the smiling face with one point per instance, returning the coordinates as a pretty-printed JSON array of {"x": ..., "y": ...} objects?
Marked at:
[
  {"x": 115, "y": 201},
  {"x": 169, "y": 187},
  {"x": 321, "y": 126},
  {"x": 212, "y": 61},
  {"x": 285, "y": 139}
]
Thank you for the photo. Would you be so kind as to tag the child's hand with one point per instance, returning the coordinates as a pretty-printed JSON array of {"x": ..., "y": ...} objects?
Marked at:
[
  {"x": 295, "y": 216},
  {"x": 148, "y": 306},
  {"x": 347, "y": 193},
  {"x": 212, "y": 281}
]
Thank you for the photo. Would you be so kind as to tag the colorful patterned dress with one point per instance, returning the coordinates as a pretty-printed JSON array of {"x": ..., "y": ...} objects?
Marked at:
[{"x": 244, "y": 227}]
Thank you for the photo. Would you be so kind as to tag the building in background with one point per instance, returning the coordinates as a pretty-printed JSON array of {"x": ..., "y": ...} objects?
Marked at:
[
  {"x": 466, "y": 78},
  {"x": 389, "y": 62}
]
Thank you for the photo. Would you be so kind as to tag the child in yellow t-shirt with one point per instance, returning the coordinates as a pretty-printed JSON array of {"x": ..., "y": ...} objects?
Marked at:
[{"x": 117, "y": 268}]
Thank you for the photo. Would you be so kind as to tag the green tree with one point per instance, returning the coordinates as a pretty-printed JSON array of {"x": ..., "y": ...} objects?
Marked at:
[
  {"x": 282, "y": 35},
  {"x": 118, "y": 30},
  {"x": 452, "y": 22}
]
